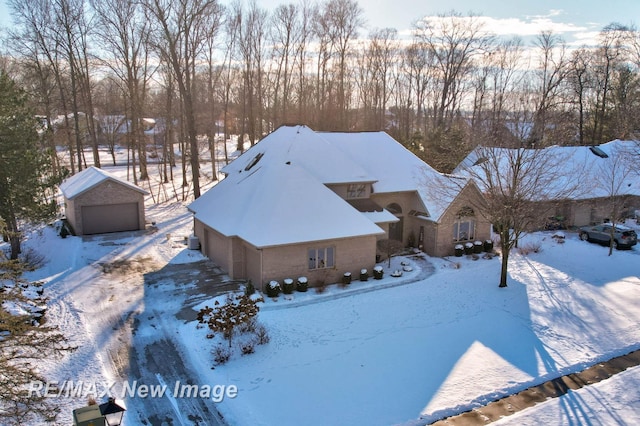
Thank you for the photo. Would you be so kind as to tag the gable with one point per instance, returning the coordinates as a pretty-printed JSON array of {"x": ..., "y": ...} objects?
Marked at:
[
  {"x": 90, "y": 178},
  {"x": 399, "y": 170}
]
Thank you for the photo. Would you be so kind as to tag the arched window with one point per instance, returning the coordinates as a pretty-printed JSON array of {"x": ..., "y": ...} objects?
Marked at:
[{"x": 394, "y": 208}]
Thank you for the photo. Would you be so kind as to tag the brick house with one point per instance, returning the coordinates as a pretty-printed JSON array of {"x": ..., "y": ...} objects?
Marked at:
[
  {"x": 305, "y": 203},
  {"x": 603, "y": 181}
]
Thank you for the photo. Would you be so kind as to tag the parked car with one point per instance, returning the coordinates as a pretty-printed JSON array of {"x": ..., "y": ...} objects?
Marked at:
[{"x": 623, "y": 237}]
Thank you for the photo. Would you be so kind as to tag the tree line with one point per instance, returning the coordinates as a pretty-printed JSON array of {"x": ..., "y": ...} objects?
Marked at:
[{"x": 206, "y": 69}]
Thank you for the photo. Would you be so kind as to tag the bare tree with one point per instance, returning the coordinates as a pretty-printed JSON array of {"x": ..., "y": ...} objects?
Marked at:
[
  {"x": 123, "y": 32},
  {"x": 34, "y": 30},
  {"x": 376, "y": 76},
  {"x": 342, "y": 19},
  {"x": 496, "y": 81},
  {"x": 552, "y": 73},
  {"x": 612, "y": 177},
  {"x": 454, "y": 41},
  {"x": 285, "y": 21},
  {"x": 513, "y": 180},
  {"x": 578, "y": 76},
  {"x": 251, "y": 53},
  {"x": 180, "y": 30},
  {"x": 70, "y": 34},
  {"x": 605, "y": 60}
]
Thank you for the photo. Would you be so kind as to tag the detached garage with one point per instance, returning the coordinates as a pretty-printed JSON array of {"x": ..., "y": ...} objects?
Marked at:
[{"x": 97, "y": 202}]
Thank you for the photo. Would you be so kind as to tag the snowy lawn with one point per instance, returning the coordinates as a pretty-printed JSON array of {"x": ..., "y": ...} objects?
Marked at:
[
  {"x": 406, "y": 354},
  {"x": 416, "y": 353}
]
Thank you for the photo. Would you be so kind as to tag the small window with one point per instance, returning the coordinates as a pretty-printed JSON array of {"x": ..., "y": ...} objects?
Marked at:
[
  {"x": 599, "y": 152},
  {"x": 321, "y": 258},
  {"x": 253, "y": 162},
  {"x": 356, "y": 190}
]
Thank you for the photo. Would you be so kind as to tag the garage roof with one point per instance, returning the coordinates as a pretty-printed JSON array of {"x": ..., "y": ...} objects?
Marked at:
[{"x": 89, "y": 178}]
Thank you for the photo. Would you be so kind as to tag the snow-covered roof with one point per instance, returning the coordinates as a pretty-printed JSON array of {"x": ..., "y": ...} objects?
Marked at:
[
  {"x": 398, "y": 170},
  {"x": 89, "y": 178},
  {"x": 595, "y": 170},
  {"x": 277, "y": 191},
  {"x": 277, "y": 204},
  {"x": 301, "y": 146}
]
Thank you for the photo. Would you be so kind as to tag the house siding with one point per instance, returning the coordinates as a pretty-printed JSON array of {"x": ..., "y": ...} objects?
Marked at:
[
  {"x": 469, "y": 197},
  {"x": 351, "y": 255},
  {"x": 242, "y": 260},
  {"x": 585, "y": 212},
  {"x": 214, "y": 245}
]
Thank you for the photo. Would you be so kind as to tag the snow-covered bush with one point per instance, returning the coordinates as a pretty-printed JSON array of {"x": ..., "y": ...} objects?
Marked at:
[
  {"x": 364, "y": 275},
  {"x": 233, "y": 321},
  {"x": 287, "y": 287},
  {"x": 378, "y": 272},
  {"x": 302, "y": 284},
  {"x": 273, "y": 289}
]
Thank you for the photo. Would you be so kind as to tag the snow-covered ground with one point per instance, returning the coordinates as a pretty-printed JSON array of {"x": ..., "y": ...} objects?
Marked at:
[{"x": 404, "y": 354}]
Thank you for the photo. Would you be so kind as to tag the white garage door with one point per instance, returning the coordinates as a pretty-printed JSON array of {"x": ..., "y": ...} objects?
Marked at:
[{"x": 110, "y": 218}]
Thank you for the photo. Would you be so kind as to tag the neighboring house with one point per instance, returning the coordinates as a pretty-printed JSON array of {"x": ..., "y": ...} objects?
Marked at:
[
  {"x": 98, "y": 202},
  {"x": 604, "y": 179},
  {"x": 303, "y": 203},
  {"x": 116, "y": 128}
]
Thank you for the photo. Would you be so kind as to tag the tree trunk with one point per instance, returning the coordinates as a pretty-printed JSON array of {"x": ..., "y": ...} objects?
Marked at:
[
  {"x": 14, "y": 236},
  {"x": 504, "y": 242}
]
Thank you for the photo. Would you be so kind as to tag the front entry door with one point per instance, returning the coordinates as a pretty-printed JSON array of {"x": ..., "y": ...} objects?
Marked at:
[{"x": 395, "y": 230}]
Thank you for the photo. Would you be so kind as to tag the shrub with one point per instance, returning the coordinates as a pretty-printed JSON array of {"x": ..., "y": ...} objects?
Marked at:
[
  {"x": 287, "y": 287},
  {"x": 261, "y": 334},
  {"x": 321, "y": 287},
  {"x": 535, "y": 247},
  {"x": 221, "y": 354},
  {"x": 248, "y": 348},
  {"x": 249, "y": 289},
  {"x": 468, "y": 248},
  {"x": 273, "y": 289},
  {"x": 346, "y": 278},
  {"x": 378, "y": 272},
  {"x": 364, "y": 275},
  {"x": 247, "y": 327},
  {"x": 302, "y": 284}
]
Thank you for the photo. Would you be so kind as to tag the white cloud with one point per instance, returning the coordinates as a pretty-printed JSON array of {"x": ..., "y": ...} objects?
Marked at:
[{"x": 530, "y": 26}]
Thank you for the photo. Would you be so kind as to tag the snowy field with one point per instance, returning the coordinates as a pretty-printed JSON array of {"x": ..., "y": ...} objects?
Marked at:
[{"x": 411, "y": 353}]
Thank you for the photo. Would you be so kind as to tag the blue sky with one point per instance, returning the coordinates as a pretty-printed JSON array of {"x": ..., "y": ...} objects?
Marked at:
[{"x": 575, "y": 20}]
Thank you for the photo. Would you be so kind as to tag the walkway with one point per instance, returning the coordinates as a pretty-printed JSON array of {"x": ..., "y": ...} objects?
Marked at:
[
  {"x": 422, "y": 269},
  {"x": 551, "y": 389}
]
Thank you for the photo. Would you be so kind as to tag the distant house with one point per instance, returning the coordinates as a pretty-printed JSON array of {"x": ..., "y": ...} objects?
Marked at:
[
  {"x": 98, "y": 202},
  {"x": 603, "y": 177},
  {"x": 303, "y": 203}
]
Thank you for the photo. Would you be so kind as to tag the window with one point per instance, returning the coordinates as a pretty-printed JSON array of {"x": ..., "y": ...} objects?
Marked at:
[
  {"x": 597, "y": 151},
  {"x": 464, "y": 229},
  {"x": 321, "y": 258},
  {"x": 253, "y": 162},
  {"x": 356, "y": 190}
]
